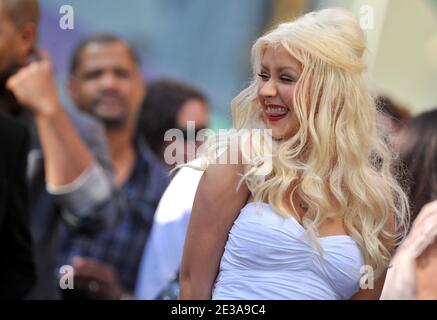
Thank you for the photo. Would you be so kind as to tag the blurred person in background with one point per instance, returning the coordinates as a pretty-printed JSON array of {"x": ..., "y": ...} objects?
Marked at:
[
  {"x": 177, "y": 103},
  {"x": 105, "y": 82},
  {"x": 391, "y": 116},
  {"x": 158, "y": 277},
  {"x": 414, "y": 268},
  {"x": 170, "y": 104},
  {"x": 417, "y": 147},
  {"x": 68, "y": 172},
  {"x": 17, "y": 266}
]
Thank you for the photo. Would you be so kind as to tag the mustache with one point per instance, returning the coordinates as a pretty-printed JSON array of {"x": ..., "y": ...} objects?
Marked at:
[{"x": 109, "y": 94}]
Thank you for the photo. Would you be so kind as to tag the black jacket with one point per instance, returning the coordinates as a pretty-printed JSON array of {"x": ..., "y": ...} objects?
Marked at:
[{"x": 17, "y": 268}]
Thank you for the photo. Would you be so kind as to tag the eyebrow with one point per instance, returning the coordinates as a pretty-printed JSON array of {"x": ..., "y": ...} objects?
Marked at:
[{"x": 282, "y": 68}]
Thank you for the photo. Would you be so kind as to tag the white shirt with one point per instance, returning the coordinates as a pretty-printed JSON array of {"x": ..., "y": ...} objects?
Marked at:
[{"x": 163, "y": 252}]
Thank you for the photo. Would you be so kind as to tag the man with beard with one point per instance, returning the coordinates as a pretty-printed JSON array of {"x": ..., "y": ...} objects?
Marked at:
[
  {"x": 69, "y": 178},
  {"x": 105, "y": 81}
]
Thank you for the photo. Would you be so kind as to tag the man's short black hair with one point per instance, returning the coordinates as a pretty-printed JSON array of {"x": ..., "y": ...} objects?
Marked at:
[{"x": 103, "y": 38}]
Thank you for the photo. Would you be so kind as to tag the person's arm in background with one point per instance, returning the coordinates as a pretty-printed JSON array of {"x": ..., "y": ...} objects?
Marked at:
[
  {"x": 413, "y": 274},
  {"x": 217, "y": 204},
  {"x": 426, "y": 262},
  {"x": 84, "y": 188},
  {"x": 17, "y": 264},
  {"x": 65, "y": 154},
  {"x": 426, "y": 273},
  {"x": 94, "y": 200}
]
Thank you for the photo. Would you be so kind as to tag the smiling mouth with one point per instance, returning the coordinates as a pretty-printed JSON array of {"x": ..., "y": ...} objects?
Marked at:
[{"x": 275, "y": 113}]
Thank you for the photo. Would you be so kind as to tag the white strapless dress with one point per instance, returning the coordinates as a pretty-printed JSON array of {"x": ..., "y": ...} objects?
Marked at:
[{"x": 268, "y": 257}]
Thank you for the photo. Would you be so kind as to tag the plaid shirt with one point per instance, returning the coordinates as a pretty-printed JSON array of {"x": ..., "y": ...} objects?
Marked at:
[{"x": 122, "y": 246}]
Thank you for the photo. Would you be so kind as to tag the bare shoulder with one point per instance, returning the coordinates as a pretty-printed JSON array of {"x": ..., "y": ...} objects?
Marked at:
[{"x": 221, "y": 184}]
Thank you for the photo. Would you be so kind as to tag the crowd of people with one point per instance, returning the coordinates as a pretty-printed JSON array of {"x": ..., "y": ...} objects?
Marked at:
[{"x": 352, "y": 180}]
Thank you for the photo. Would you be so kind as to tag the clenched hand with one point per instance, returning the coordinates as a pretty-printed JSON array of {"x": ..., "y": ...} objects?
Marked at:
[{"x": 35, "y": 88}]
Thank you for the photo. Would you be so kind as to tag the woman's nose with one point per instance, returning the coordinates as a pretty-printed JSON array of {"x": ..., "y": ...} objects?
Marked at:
[{"x": 268, "y": 89}]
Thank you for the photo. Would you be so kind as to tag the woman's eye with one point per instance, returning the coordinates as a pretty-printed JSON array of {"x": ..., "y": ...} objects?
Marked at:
[
  {"x": 287, "y": 79},
  {"x": 263, "y": 76}
]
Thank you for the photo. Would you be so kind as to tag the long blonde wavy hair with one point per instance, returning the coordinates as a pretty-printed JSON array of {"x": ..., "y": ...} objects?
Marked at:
[{"x": 335, "y": 162}]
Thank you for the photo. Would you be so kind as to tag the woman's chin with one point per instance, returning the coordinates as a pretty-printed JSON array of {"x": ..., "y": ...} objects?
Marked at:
[
  {"x": 280, "y": 132},
  {"x": 275, "y": 133}
]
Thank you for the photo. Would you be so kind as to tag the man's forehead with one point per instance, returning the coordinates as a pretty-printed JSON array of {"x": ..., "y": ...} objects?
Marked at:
[
  {"x": 108, "y": 54},
  {"x": 4, "y": 17},
  {"x": 5, "y": 14},
  {"x": 6, "y": 23}
]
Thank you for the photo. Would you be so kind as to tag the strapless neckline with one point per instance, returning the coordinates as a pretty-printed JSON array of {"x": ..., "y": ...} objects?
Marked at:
[
  {"x": 268, "y": 256},
  {"x": 296, "y": 223}
]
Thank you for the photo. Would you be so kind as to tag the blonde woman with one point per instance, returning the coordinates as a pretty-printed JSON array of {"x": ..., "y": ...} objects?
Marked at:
[{"x": 329, "y": 212}]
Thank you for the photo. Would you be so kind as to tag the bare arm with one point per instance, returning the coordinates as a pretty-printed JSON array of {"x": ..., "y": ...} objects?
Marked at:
[
  {"x": 77, "y": 172},
  {"x": 413, "y": 273},
  {"x": 216, "y": 206},
  {"x": 65, "y": 154},
  {"x": 425, "y": 226},
  {"x": 426, "y": 273}
]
